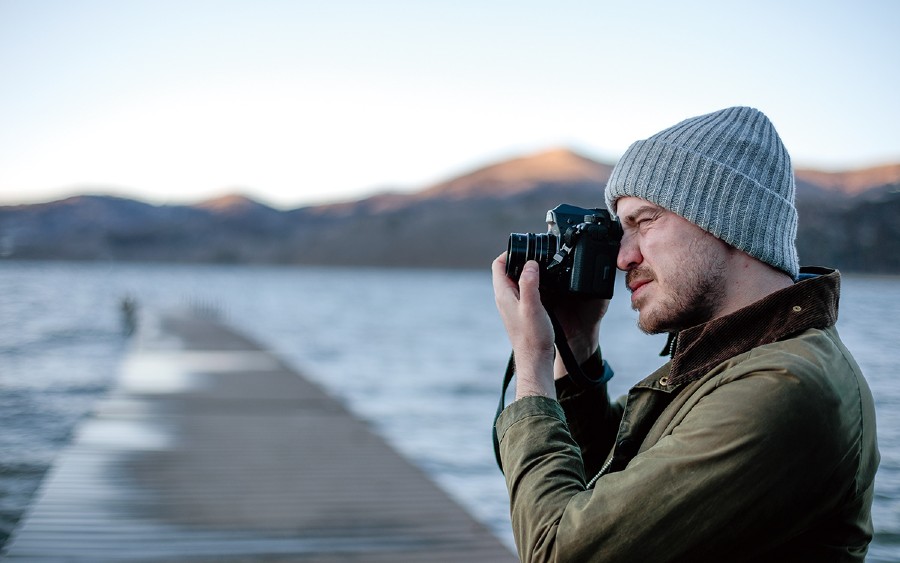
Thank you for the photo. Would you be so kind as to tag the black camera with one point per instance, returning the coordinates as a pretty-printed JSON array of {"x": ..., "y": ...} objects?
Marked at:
[{"x": 577, "y": 255}]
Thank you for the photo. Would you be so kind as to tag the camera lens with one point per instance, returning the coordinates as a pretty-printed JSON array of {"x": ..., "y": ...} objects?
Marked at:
[{"x": 529, "y": 246}]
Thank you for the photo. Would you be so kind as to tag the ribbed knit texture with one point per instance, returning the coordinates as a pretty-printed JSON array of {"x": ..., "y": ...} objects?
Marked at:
[{"x": 728, "y": 173}]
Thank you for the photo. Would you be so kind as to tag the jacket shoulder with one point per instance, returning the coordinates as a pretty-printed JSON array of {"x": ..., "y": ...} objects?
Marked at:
[
  {"x": 811, "y": 387},
  {"x": 812, "y": 355}
]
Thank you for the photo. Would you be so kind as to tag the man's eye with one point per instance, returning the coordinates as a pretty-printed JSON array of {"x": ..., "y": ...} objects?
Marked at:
[{"x": 645, "y": 222}]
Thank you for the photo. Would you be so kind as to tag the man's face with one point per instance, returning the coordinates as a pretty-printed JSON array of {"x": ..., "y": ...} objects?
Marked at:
[{"x": 675, "y": 270}]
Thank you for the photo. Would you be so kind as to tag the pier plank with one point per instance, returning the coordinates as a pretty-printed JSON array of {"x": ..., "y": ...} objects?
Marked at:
[{"x": 209, "y": 448}]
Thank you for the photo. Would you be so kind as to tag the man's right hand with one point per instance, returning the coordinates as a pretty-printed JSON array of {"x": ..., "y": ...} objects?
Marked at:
[
  {"x": 580, "y": 318},
  {"x": 528, "y": 327}
]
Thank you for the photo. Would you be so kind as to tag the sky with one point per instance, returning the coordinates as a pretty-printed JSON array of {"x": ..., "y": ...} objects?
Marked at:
[{"x": 302, "y": 102}]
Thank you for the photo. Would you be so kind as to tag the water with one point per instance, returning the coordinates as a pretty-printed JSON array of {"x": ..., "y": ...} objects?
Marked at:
[{"x": 417, "y": 353}]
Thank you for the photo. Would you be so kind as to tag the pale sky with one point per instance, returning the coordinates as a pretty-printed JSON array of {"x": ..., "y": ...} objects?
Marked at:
[{"x": 301, "y": 102}]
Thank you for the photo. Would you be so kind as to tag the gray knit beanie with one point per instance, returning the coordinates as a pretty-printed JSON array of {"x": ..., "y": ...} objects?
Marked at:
[{"x": 728, "y": 173}]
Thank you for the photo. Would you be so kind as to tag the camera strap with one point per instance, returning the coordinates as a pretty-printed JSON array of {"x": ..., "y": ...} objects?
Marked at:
[
  {"x": 507, "y": 379},
  {"x": 572, "y": 367}
]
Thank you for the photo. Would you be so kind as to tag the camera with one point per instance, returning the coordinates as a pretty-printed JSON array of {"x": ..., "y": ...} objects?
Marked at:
[{"x": 577, "y": 255}]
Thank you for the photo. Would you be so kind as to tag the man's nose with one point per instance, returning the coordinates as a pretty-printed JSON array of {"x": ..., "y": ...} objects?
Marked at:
[{"x": 629, "y": 254}]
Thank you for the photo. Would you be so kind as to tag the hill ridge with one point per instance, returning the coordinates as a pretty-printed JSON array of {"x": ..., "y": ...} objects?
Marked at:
[{"x": 846, "y": 220}]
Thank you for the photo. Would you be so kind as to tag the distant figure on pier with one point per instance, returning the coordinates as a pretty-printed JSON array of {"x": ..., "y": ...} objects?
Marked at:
[{"x": 128, "y": 307}]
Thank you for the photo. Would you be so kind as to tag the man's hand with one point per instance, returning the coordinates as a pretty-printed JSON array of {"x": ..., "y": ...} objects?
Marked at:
[
  {"x": 580, "y": 321},
  {"x": 528, "y": 327}
]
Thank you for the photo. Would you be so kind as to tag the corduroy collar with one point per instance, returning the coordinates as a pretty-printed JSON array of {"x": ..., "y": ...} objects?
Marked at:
[{"x": 809, "y": 303}]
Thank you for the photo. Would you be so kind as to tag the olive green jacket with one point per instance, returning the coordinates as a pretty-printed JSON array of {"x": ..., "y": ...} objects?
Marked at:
[{"x": 755, "y": 442}]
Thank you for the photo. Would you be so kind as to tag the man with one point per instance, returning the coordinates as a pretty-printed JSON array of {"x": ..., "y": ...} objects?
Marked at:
[{"x": 756, "y": 441}]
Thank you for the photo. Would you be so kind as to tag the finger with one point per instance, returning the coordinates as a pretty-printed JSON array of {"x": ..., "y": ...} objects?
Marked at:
[
  {"x": 529, "y": 284},
  {"x": 504, "y": 288},
  {"x": 499, "y": 264}
]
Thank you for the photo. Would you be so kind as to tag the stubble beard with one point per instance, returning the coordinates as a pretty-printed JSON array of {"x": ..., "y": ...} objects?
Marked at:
[{"x": 695, "y": 294}]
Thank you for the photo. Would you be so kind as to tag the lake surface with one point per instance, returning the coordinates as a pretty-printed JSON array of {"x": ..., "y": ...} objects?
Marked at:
[{"x": 418, "y": 353}]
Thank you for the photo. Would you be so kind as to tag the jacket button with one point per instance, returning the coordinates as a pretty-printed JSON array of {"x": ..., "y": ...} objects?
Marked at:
[
  {"x": 797, "y": 308},
  {"x": 664, "y": 380}
]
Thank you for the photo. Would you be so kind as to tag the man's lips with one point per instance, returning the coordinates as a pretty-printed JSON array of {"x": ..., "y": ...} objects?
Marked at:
[
  {"x": 634, "y": 280},
  {"x": 636, "y": 285}
]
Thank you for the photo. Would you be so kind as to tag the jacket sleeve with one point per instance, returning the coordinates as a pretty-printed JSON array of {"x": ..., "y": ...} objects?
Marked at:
[
  {"x": 731, "y": 477},
  {"x": 592, "y": 420}
]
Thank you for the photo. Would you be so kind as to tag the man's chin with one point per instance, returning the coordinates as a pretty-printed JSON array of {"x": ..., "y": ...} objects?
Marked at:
[
  {"x": 650, "y": 325},
  {"x": 645, "y": 324},
  {"x": 651, "y": 329}
]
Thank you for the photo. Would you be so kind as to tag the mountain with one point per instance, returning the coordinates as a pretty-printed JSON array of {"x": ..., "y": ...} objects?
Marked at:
[
  {"x": 851, "y": 182},
  {"x": 850, "y": 219},
  {"x": 847, "y": 220},
  {"x": 522, "y": 175},
  {"x": 463, "y": 222}
]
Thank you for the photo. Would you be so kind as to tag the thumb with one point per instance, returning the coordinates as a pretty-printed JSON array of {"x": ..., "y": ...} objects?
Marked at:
[{"x": 529, "y": 284}]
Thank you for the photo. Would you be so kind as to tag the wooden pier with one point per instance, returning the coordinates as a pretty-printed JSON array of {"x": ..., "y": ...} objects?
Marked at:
[{"x": 209, "y": 448}]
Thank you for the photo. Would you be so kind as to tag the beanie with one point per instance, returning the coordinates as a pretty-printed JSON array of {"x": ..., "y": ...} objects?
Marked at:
[{"x": 726, "y": 172}]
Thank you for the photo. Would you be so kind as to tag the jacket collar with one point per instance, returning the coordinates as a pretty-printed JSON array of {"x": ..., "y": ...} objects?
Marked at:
[{"x": 809, "y": 303}]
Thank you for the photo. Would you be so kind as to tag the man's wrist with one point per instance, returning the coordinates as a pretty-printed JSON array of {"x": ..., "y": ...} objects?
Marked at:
[
  {"x": 592, "y": 366},
  {"x": 533, "y": 378},
  {"x": 583, "y": 353}
]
